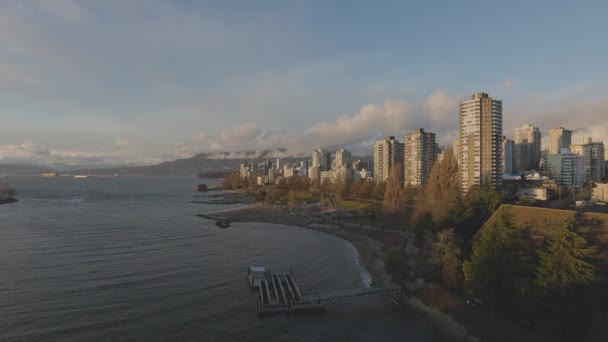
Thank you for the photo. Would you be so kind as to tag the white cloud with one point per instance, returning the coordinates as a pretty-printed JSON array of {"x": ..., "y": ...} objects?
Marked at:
[
  {"x": 441, "y": 104},
  {"x": 121, "y": 143},
  {"x": 437, "y": 113},
  {"x": 583, "y": 110}
]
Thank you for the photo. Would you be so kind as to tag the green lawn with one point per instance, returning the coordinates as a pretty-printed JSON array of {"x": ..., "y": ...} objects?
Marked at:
[
  {"x": 360, "y": 205},
  {"x": 306, "y": 196}
]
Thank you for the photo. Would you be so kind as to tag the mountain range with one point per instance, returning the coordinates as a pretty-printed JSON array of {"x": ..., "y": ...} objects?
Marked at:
[{"x": 206, "y": 164}]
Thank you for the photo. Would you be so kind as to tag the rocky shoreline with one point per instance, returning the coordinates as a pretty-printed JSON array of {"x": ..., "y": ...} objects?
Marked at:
[{"x": 8, "y": 200}]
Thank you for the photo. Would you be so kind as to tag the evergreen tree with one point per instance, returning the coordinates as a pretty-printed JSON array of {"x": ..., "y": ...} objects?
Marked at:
[
  {"x": 566, "y": 260},
  {"x": 499, "y": 267},
  {"x": 468, "y": 215}
]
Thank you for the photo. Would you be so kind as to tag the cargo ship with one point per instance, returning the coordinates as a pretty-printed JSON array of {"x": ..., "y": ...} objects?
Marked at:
[
  {"x": 82, "y": 176},
  {"x": 6, "y": 194}
]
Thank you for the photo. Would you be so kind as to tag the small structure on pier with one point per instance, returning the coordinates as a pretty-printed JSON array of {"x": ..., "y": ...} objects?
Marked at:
[
  {"x": 279, "y": 293},
  {"x": 202, "y": 187}
]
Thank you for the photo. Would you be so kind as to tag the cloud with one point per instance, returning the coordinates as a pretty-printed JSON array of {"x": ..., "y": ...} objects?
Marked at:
[
  {"x": 239, "y": 135},
  {"x": 32, "y": 153},
  {"x": 27, "y": 151},
  {"x": 121, "y": 143},
  {"x": 508, "y": 83},
  {"x": 582, "y": 110},
  {"x": 441, "y": 104},
  {"x": 436, "y": 113}
]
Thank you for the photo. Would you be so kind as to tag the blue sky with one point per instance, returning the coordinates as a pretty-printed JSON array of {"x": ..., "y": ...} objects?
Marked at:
[{"x": 140, "y": 81}]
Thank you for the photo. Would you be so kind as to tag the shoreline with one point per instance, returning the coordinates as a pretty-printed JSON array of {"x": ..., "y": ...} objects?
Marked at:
[
  {"x": 368, "y": 253},
  {"x": 8, "y": 200}
]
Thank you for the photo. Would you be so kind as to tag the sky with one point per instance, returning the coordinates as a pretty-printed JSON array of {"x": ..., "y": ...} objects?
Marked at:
[{"x": 142, "y": 81}]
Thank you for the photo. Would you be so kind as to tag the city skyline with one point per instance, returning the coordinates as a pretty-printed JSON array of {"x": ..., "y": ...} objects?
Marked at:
[{"x": 83, "y": 83}]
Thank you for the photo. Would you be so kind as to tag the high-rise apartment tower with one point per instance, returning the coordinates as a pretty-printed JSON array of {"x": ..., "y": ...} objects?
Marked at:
[
  {"x": 480, "y": 142},
  {"x": 387, "y": 153},
  {"x": 420, "y": 154}
]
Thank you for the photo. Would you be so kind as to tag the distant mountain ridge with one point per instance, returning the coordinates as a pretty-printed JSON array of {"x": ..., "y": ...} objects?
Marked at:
[
  {"x": 206, "y": 163},
  {"x": 210, "y": 164},
  {"x": 23, "y": 170}
]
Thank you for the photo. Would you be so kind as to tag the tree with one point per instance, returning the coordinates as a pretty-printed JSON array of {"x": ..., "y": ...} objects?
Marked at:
[
  {"x": 253, "y": 181},
  {"x": 341, "y": 185},
  {"x": 396, "y": 263},
  {"x": 355, "y": 186},
  {"x": 378, "y": 191},
  {"x": 468, "y": 215},
  {"x": 260, "y": 195},
  {"x": 233, "y": 181},
  {"x": 446, "y": 256},
  {"x": 566, "y": 260},
  {"x": 442, "y": 188},
  {"x": 326, "y": 186},
  {"x": 291, "y": 199},
  {"x": 409, "y": 194},
  {"x": 282, "y": 183},
  {"x": 274, "y": 196},
  {"x": 423, "y": 224},
  {"x": 367, "y": 189},
  {"x": 394, "y": 197},
  {"x": 499, "y": 267}
]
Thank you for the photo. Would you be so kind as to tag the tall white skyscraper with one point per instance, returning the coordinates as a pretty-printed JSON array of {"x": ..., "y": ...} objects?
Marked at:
[
  {"x": 387, "y": 153},
  {"x": 560, "y": 138},
  {"x": 317, "y": 158},
  {"x": 420, "y": 154},
  {"x": 480, "y": 141},
  {"x": 343, "y": 159},
  {"x": 527, "y": 148}
]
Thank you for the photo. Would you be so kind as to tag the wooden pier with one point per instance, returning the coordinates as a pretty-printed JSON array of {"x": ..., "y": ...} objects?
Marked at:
[{"x": 279, "y": 293}]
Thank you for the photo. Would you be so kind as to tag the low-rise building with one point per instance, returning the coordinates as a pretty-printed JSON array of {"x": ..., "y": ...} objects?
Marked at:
[
  {"x": 536, "y": 194},
  {"x": 600, "y": 192}
]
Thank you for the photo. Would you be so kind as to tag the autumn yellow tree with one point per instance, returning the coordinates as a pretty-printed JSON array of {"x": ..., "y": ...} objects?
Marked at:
[
  {"x": 394, "y": 195},
  {"x": 442, "y": 189}
]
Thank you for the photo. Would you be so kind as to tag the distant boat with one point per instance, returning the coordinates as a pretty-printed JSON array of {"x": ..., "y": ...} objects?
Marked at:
[
  {"x": 50, "y": 174},
  {"x": 82, "y": 176}
]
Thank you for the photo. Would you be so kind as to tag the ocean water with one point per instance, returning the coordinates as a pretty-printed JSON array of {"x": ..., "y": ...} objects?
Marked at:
[{"x": 127, "y": 259}]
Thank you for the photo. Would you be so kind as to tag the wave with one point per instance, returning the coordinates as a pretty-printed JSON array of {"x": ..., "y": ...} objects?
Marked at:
[{"x": 366, "y": 277}]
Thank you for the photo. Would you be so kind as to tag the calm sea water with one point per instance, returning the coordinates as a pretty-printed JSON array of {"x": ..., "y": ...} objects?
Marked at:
[{"x": 126, "y": 259}]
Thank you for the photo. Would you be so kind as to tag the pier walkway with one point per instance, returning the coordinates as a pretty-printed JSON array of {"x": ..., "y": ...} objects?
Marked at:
[
  {"x": 279, "y": 293},
  {"x": 337, "y": 295}
]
